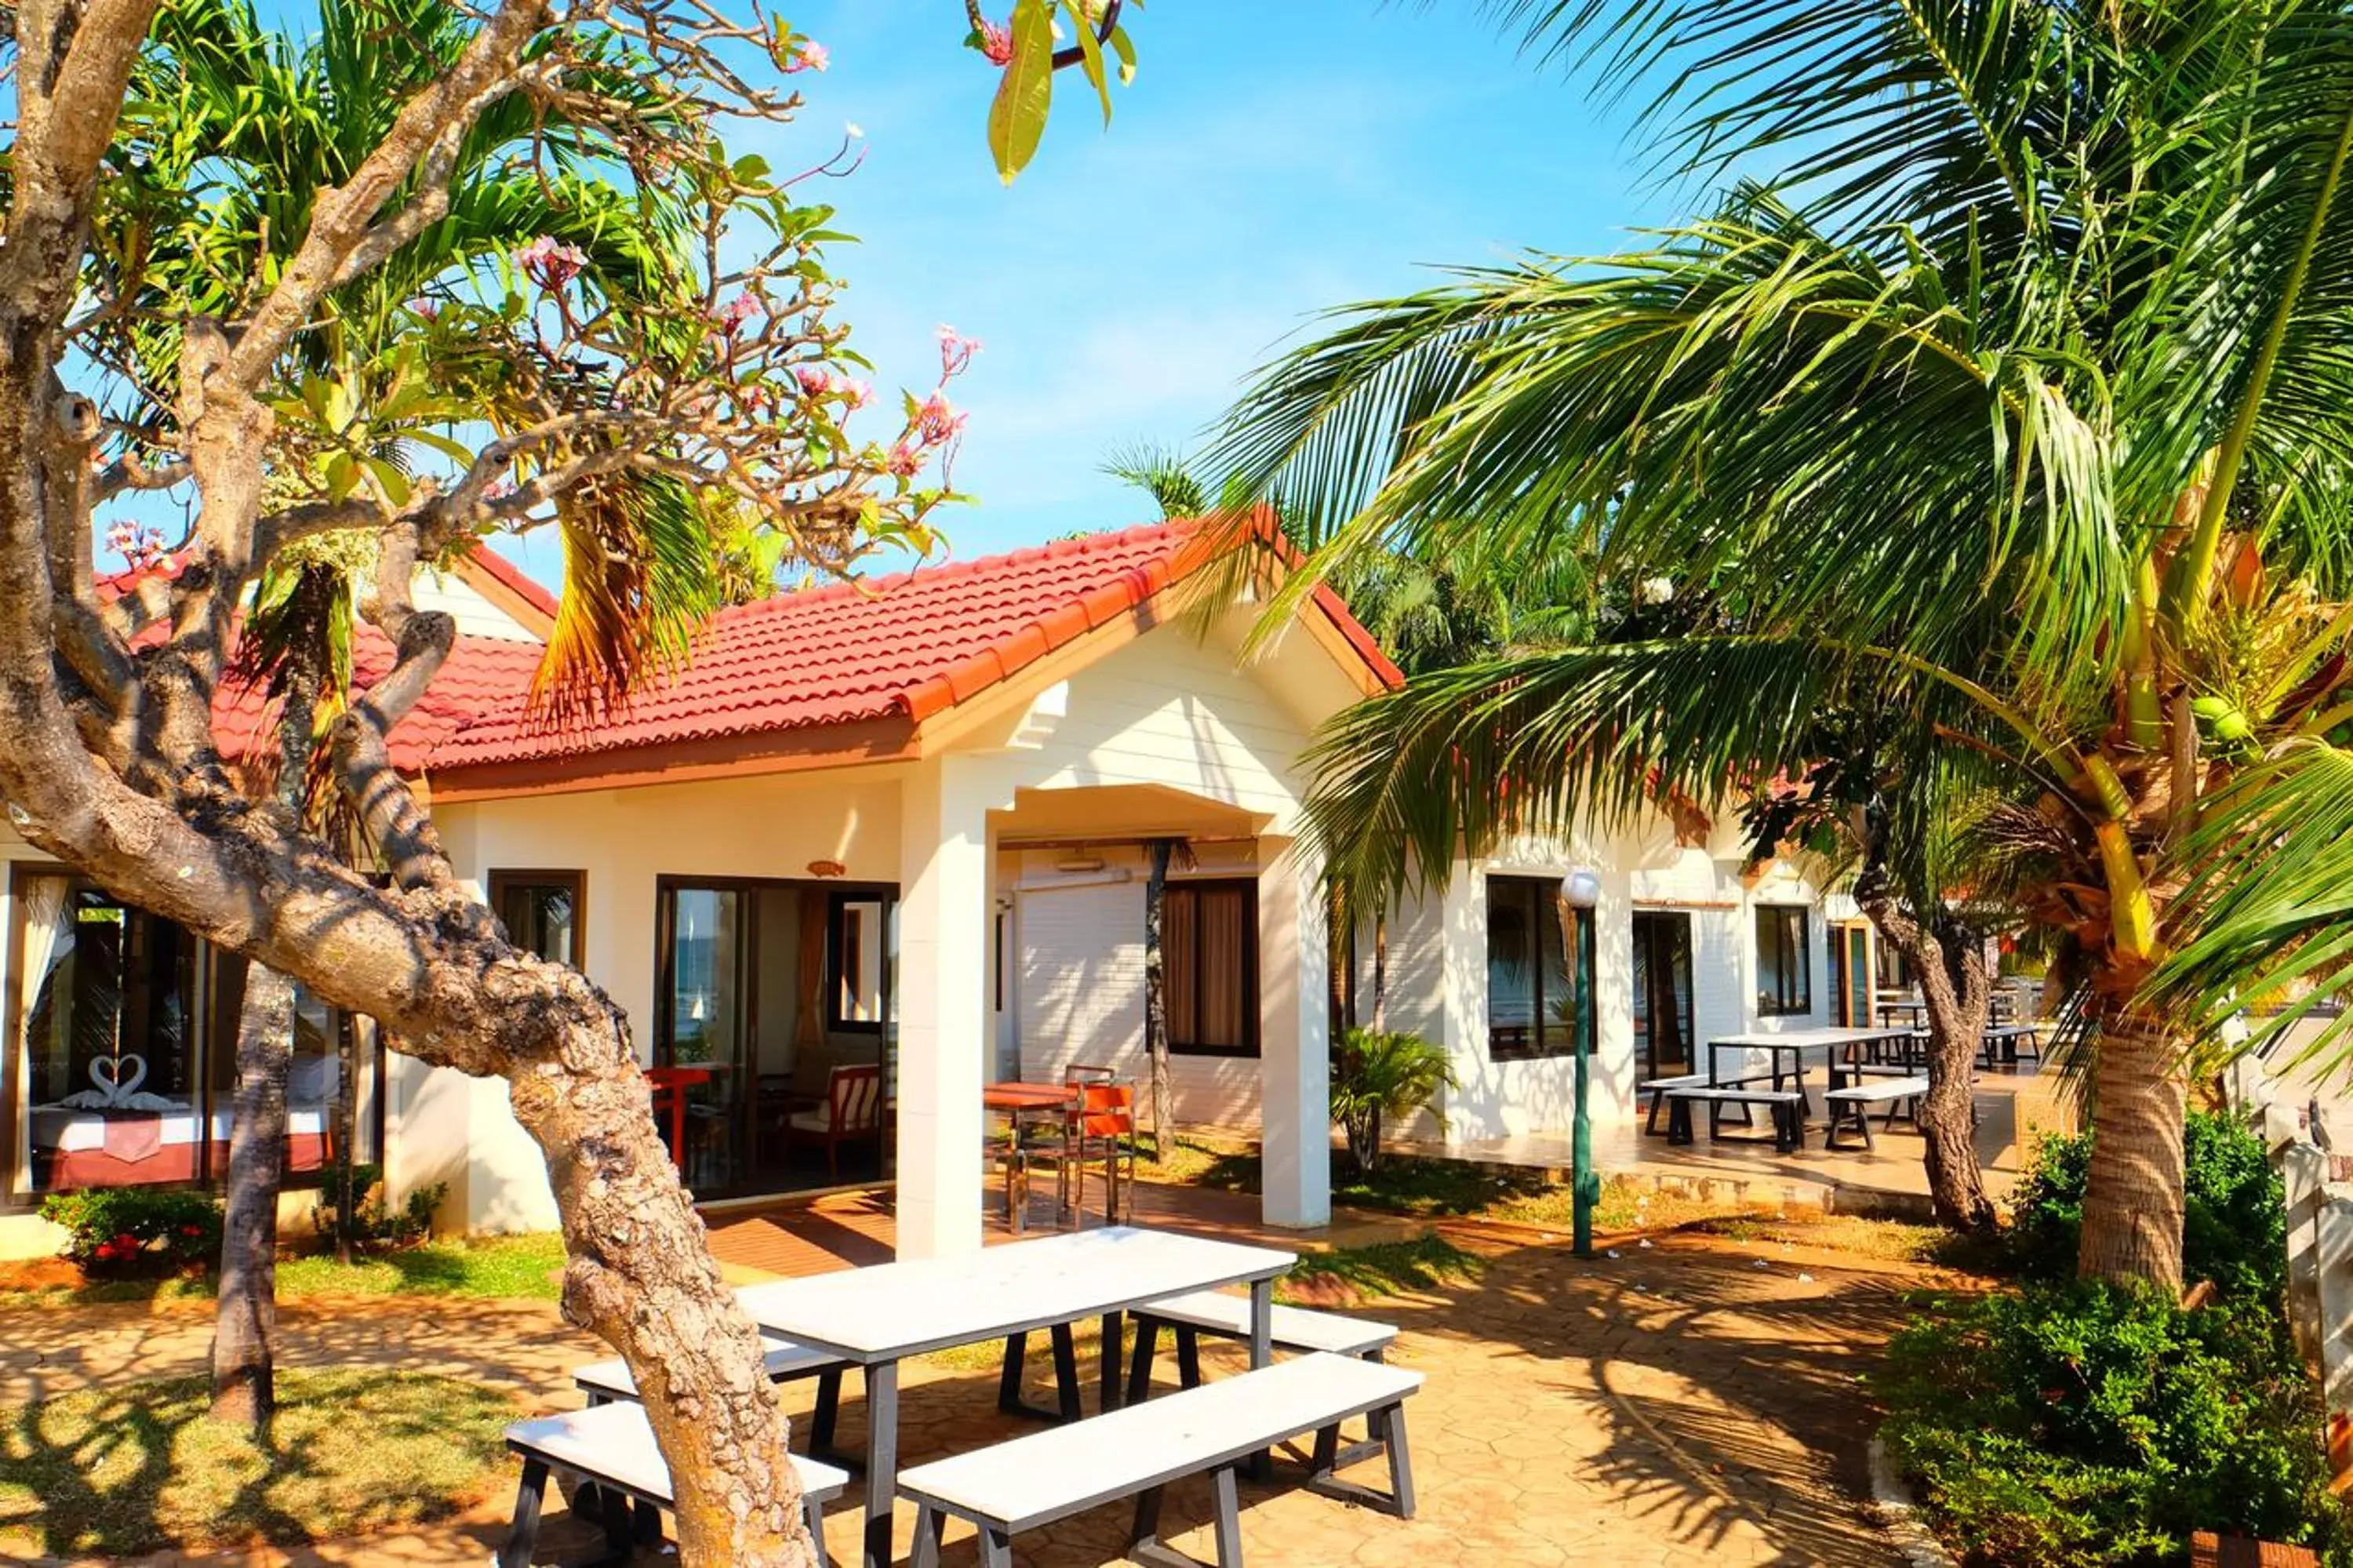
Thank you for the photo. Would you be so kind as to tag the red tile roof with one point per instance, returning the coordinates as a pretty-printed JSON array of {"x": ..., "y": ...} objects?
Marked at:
[
  {"x": 484, "y": 674},
  {"x": 905, "y": 646}
]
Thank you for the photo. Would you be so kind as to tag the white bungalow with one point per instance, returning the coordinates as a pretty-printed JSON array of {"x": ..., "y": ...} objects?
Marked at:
[{"x": 906, "y": 825}]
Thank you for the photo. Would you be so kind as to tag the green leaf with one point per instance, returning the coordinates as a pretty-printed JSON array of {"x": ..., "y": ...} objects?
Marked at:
[
  {"x": 341, "y": 473},
  {"x": 394, "y": 483},
  {"x": 1016, "y": 120},
  {"x": 1124, "y": 47},
  {"x": 1090, "y": 56}
]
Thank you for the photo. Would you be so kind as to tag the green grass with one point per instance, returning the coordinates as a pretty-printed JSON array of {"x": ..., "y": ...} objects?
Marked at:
[
  {"x": 137, "y": 1467},
  {"x": 490, "y": 1267},
  {"x": 1380, "y": 1269},
  {"x": 1412, "y": 1184}
]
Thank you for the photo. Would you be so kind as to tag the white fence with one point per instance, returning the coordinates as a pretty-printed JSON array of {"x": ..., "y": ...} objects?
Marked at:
[{"x": 2319, "y": 1235}]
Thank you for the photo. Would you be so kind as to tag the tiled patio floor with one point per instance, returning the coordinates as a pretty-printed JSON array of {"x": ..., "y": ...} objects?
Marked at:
[{"x": 1695, "y": 1401}]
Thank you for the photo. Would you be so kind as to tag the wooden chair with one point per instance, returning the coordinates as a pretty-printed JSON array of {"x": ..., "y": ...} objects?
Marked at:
[
  {"x": 1102, "y": 1128},
  {"x": 852, "y": 1110}
]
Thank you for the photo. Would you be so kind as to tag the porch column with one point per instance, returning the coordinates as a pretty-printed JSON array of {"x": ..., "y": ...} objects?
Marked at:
[
  {"x": 1294, "y": 1044},
  {"x": 942, "y": 1006}
]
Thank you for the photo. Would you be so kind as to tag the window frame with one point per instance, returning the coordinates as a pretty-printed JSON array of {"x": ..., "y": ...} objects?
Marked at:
[
  {"x": 1545, "y": 893},
  {"x": 208, "y": 1035},
  {"x": 836, "y": 905},
  {"x": 503, "y": 881},
  {"x": 1777, "y": 1004},
  {"x": 1194, "y": 886}
]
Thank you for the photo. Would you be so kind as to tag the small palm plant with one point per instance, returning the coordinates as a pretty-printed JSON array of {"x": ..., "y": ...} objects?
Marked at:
[{"x": 1380, "y": 1073}]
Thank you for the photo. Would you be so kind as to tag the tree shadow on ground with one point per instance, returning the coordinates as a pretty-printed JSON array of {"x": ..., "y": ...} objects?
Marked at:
[{"x": 139, "y": 1467}]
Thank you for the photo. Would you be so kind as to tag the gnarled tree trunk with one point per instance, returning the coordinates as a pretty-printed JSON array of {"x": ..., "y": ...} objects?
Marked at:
[
  {"x": 2132, "y": 1202},
  {"x": 245, "y": 1328},
  {"x": 1956, "y": 984}
]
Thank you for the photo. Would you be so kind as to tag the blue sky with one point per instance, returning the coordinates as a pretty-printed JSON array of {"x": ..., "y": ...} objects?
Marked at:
[{"x": 1271, "y": 160}]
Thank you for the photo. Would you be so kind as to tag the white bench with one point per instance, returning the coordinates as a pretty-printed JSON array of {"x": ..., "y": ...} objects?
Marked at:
[
  {"x": 611, "y": 1448},
  {"x": 607, "y": 1382},
  {"x": 1850, "y": 1106},
  {"x": 1787, "y": 1107},
  {"x": 1136, "y": 1451},
  {"x": 1225, "y": 1316}
]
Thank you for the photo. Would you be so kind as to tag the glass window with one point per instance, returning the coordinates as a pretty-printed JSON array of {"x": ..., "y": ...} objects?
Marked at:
[
  {"x": 1530, "y": 1000},
  {"x": 855, "y": 947},
  {"x": 543, "y": 911},
  {"x": 1785, "y": 979},
  {"x": 127, "y": 1067},
  {"x": 1208, "y": 966},
  {"x": 317, "y": 1110},
  {"x": 702, "y": 1019}
]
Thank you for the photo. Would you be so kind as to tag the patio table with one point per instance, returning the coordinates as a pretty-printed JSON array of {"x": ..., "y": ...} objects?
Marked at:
[
  {"x": 878, "y": 1317},
  {"x": 1794, "y": 1043},
  {"x": 1016, "y": 1099},
  {"x": 1912, "y": 1008}
]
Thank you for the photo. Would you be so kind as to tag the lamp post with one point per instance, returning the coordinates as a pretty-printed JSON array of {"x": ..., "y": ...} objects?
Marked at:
[{"x": 1580, "y": 894}]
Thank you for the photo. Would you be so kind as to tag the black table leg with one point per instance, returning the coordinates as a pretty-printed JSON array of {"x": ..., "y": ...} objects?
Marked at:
[
  {"x": 1114, "y": 1340},
  {"x": 881, "y": 1459}
]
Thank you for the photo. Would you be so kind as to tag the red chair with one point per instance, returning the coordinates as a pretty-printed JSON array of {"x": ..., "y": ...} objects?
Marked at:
[
  {"x": 852, "y": 1110},
  {"x": 1102, "y": 1128}
]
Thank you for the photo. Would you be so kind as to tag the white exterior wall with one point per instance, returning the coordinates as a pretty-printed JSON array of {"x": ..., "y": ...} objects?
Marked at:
[
  {"x": 1078, "y": 976},
  {"x": 1437, "y": 968},
  {"x": 458, "y": 598},
  {"x": 441, "y": 1126},
  {"x": 1164, "y": 710}
]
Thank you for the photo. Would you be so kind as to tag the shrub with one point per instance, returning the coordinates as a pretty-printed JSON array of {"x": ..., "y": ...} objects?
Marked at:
[
  {"x": 1382, "y": 1073},
  {"x": 2234, "y": 1226},
  {"x": 375, "y": 1222},
  {"x": 2071, "y": 1424},
  {"x": 125, "y": 1233}
]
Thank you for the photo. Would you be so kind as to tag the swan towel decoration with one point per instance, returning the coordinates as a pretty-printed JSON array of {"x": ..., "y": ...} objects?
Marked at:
[{"x": 117, "y": 1091}]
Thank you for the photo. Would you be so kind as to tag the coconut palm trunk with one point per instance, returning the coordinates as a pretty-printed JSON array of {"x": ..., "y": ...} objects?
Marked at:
[{"x": 2133, "y": 1201}]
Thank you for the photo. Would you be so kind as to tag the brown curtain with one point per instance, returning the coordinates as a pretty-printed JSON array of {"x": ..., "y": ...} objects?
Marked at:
[
  {"x": 809, "y": 1029},
  {"x": 1181, "y": 961}
]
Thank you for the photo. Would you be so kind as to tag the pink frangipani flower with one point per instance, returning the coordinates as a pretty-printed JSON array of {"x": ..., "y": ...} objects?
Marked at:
[
  {"x": 955, "y": 351},
  {"x": 997, "y": 43},
  {"x": 550, "y": 262},
  {"x": 810, "y": 55}
]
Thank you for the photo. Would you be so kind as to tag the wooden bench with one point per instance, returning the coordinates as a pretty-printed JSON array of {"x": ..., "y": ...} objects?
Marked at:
[
  {"x": 1787, "y": 1107},
  {"x": 1135, "y": 1452},
  {"x": 2208, "y": 1550},
  {"x": 1657, "y": 1089},
  {"x": 2009, "y": 1039},
  {"x": 611, "y": 1448},
  {"x": 1849, "y": 1105}
]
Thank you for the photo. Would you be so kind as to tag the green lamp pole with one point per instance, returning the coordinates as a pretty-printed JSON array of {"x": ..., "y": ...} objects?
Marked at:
[{"x": 1580, "y": 896}]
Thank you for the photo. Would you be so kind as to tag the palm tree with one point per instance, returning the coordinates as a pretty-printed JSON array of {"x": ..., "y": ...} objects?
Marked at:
[
  {"x": 2018, "y": 408},
  {"x": 276, "y": 122}
]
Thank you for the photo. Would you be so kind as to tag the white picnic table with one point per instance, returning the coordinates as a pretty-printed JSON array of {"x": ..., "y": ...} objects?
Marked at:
[
  {"x": 1794, "y": 1043},
  {"x": 879, "y": 1316}
]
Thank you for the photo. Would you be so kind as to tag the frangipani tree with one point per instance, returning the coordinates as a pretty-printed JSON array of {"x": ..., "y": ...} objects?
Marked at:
[
  {"x": 718, "y": 383},
  {"x": 2020, "y": 407}
]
